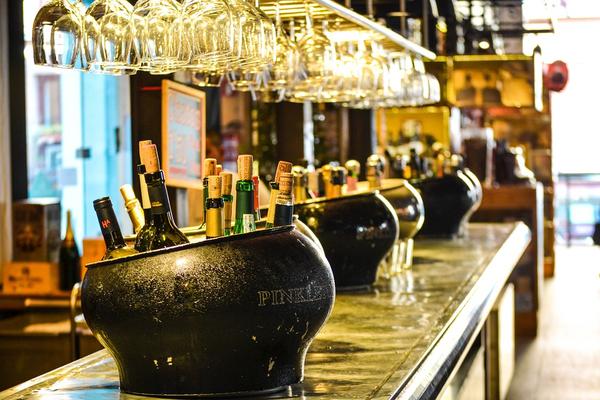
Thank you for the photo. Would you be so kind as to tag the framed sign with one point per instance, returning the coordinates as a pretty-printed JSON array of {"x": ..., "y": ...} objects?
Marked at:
[{"x": 183, "y": 134}]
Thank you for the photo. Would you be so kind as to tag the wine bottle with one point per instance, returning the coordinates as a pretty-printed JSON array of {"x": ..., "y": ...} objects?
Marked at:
[
  {"x": 374, "y": 171},
  {"x": 69, "y": 262},
  {"x": 227, "y": 183},
  {"x": 214, "y": 208},
  {"x": 353, "y": 168},
  {"x": 144, "y": 236},
  {"x": 109, "y": 225},
  {"x": 133, "y": 206},
  {"x": 337, "y": 181},
  {"x": 166, "y": 233},
  {"x": 244, "y": 189},
  {"x": 210, "y": 168},
  {"x": 284, "y": 204},
  {"x": 282, "y": 166}
]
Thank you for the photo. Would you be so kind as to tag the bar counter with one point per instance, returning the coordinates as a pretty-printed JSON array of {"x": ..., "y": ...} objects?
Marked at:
[{"x": 402, "y": 340}]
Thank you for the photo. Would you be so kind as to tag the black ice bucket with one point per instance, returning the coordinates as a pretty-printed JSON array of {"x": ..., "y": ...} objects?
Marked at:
[
  {"x": 356, "y": 232},
  {"x": 223, "y": 317}
]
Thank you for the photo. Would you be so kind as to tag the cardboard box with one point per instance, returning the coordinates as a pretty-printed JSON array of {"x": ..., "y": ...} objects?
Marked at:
[
  {"x": 36, "y": 230},
  {"x": 93, "y": 251},
  {"x": 30, "y": 277}
]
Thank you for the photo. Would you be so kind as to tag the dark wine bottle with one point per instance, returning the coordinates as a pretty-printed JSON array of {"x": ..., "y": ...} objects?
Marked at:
[
  {"x": 244, "y": 189},
  {"x": 284, "y": 204},
  {"x": 165, "y": 231},
  {"x": 109, "y": 225},
  {"x": 69, "y": 261},
  {"x": 282, "y": 166},
  {"x": 214, "y": 208},
  {"x": 144, "y": 236}
]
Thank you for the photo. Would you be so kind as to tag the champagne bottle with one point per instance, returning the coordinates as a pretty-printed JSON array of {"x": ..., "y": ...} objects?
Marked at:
[
  {"x": 353, "y": 168},
  {"x": 284, "y": 204},
  {"x": 210, "y": 168},
  {"x": 244, "y": 189},
  {"x": 214, "y": 208},
  {"x": 166, "y": 233},
  {"x": 282, "y": 166},
  {"x": 109, "y": 225},
  {"x": 337, "y": 181},
  {"x": 69, "y": 262},
  {"x": 134, "y": 208},
  {"x": 227, "y": 183}
]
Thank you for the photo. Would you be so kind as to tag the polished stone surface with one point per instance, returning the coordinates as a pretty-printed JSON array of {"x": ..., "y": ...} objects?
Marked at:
[{"x": 373, "y": 342}]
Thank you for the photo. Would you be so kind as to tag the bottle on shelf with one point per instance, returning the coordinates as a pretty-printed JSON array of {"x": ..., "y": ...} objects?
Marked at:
[
  {"x": 284, "y": 204},
  {"x": 326, "y": 171},
  {"x": 69, "y": 261},
  {"x": 214, "y": 208},
  {"x": 134, "y": 208},
  {"x": 353, "y": 168},
  {"x": 111, "y": 232},
  {"x": 244, "y": 189},
  {"x": 210, "y": 168},
  {"x": 282, "y": 166},
  {"x": 374, "y": 171},
  {"x": 166, "y": 233},
  {"x": 337, "y": 181},
  {"x": 300, "y": 183},
  {"x": 226, "y": 187}
]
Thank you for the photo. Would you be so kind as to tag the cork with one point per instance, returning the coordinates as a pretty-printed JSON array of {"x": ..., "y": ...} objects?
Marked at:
[
  {"x": 282, "y": 166},
  {"x": 244, "y": 164},
  {"x": 141, "y": 145},
  {"x": 214, "y": 186},
  {"x": 149, "y": 155},
  {"x": 219, "y": 169},
  {"x": 353, "y": 168},
  {"x": 127, "y": 193},
  {"x": 210, "y": 166},
  {"x": 285, "y": 182},
  {"x": 227, "y": 181}
]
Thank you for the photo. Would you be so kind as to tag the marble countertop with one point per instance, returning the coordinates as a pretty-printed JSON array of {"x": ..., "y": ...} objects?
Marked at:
[{"x": 401, "y": 340}]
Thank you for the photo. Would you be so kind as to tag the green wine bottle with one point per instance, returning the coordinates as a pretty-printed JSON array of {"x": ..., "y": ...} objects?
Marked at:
[
  {"x": 244, "y": 188},
  {"x": 69, "y": 261},
  {"x": 109, "y": 225},
  {"x": 145, "y": 235}
]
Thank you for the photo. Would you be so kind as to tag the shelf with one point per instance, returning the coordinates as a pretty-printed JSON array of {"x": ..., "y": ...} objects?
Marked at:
[{"x": 347, "y": 20}]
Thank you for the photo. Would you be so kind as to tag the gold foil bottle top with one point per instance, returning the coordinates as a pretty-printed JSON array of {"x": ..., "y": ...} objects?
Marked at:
[
  {"x": 282, "y": 166},
  {"x": 149, "y": 157},
  {"x": 353, "y": 168},
  {"x": 244, "y": 164},
  {"x": 127, "y": 193},
  {"x": 214, "y": 186},
  {"x": 227, "y": 180},
  {"x": 210, "y": 166},
  {"x": 285, "y": 182},
  {"x": 219, "y": 169}
]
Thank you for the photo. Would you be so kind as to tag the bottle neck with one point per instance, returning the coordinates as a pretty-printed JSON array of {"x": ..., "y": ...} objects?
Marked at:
[
  {"x": 159, "y": 198},
  {"x": 245, "y": 198},
  {"x": 69, "y": 236},
  {"x": 109, "y": 225}
]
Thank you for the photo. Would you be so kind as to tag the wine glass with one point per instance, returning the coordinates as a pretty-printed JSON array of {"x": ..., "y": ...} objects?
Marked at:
[
  {"x": 109, "y": 36},
  {"x": 57, "y": 34},
  {"x": 159, "y": 35}
]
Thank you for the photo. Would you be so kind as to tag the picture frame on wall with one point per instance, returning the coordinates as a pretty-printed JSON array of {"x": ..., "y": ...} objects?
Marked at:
[{"x": 183, "y": 134}]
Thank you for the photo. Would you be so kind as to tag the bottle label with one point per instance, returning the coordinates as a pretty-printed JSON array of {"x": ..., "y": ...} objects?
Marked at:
[
  {"x": 159, "y": 199},
  {"x": 248, "y": 223},
  {"x": 214, "y": 222},
  {"x": 283, "y": 215}
]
